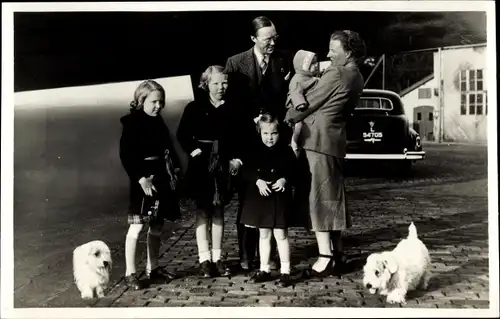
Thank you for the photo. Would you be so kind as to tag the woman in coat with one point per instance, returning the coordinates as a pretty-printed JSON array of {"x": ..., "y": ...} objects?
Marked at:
[{"x": 324, "y": 141}]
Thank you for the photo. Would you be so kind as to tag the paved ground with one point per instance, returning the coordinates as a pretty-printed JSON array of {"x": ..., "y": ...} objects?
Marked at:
[
  {"x": 69, "y": 188},
  {"x": 447, "y": 199}
]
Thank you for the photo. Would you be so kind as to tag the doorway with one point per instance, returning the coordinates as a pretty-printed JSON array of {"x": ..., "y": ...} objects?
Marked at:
[{"x": 424, "y": 121}]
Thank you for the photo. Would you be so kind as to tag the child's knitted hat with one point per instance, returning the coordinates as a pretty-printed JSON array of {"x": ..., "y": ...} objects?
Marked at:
[{"x": 302, "y": 62}]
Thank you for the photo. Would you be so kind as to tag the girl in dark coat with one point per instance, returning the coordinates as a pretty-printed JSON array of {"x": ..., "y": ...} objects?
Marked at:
[
  {"x": 208, "y": 132},
  {"x": 268, "y": 201},
  {"x": 146, "y": 153}
]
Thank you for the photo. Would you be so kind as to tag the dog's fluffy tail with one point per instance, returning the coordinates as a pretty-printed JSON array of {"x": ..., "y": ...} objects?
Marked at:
[{"x": 412, "y": 230}]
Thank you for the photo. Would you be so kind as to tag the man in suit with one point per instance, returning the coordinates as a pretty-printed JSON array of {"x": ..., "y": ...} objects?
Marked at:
[
  {"x": 260, "y": 75},
  {"x": 262, "y": 72}
]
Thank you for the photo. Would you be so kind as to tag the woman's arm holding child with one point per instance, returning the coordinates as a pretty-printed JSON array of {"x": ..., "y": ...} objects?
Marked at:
[{"x": 327, "y": 88}]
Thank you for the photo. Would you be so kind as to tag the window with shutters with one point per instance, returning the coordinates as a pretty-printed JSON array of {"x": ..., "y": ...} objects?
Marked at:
[{"x": 424, "y": 93}]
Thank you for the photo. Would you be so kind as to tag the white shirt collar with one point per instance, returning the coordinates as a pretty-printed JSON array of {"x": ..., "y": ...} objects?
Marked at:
[
  {"x": 216, "y": 104},
  {"x": 259, "y": 55}
]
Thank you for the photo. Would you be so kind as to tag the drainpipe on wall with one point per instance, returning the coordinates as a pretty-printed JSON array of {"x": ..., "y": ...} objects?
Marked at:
[
  {"x": 383, "y": 71},
  {"x": 441, "y": 96}
]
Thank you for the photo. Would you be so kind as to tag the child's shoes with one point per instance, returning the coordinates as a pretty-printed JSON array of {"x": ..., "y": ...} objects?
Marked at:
[
  {"x": 285, "y": 280},
  {"x": 221, "y": 269},
  {"x": 260, "y": 276},
  {"x": 206, "y": 269},
  {"x": 133, "y": 282}
]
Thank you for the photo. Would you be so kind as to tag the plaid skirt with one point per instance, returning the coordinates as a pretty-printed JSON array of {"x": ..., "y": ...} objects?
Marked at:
[
  {"x": 143, "y": 219},
  {"x": 169, "y": 204}
]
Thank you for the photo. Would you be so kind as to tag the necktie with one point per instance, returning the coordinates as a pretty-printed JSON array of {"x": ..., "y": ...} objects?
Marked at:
[{"x": 263, "y": 65}]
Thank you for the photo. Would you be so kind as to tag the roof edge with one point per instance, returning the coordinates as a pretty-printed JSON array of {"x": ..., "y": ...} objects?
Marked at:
[
  {"x": 416, "y": 85},
  {"x": 451, "y": 47}
]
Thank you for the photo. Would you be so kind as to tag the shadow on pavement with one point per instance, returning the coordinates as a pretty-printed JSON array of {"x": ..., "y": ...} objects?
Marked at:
[
  {"x": 436, "y": 233},
  {"x": 442, "y": 280},
  {"x": 425, "y": 227}
]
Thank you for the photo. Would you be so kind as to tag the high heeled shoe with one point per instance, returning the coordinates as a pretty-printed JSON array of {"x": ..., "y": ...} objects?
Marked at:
[
  {"x": 327, "y": 272},
  {"x": 340, "y": 266}
]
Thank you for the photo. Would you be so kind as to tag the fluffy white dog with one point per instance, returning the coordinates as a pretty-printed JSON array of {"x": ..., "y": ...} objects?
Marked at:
[
  {"x": 92, "y": 268},
  {"x": 393, "y": 273}
]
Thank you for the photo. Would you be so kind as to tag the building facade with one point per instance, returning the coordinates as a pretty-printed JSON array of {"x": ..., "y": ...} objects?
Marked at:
[
  {"x": 421, "y": 102},
  {"x": 461, "y": 97}
]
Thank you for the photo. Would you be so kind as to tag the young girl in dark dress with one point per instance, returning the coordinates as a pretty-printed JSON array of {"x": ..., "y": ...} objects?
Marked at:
[
  {"x": 146, "y": 153},
  {"x": 268, "y": 201},
  {"x": 208, "y": 131}
]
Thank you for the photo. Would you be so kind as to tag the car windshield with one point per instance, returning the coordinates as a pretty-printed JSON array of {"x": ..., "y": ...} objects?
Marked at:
[{"x": 374, "y": 103}]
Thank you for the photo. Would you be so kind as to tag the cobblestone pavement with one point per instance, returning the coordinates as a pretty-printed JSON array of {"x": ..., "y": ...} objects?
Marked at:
[{"x": 447, "y": 200}]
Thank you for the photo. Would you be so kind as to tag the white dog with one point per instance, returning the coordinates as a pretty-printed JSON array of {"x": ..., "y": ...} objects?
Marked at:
[
  {"x": 393, "y": 273},
  {"x": 92, "y": 268}
]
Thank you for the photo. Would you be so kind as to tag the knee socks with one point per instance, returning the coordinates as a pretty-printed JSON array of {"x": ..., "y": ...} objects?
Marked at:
[
  {"x": 130, "y": 248},
  {"x": 283, "y": 247},
  {"x": 154, "y": 244},
  {"x": 265, "y": 252}
]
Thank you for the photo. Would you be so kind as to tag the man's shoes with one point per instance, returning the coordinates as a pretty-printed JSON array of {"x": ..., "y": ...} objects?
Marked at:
[
  {"x": 245, "y": 265},
  {"x": 206, "y": 269},
  {"x": 285, "y": 280},
  {"x": 132, "y": 282},
  {"x": 160, "y": 274},
  {"x": 260, "y": 276},
  {"x": 221, "y": 269}
]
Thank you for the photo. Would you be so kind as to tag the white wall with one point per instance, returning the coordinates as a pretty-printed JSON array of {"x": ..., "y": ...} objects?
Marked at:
[
  {"x": 97, "y": 101},
  {"x": 411, "y": 100},
  {"x": 466, "y": 128},
  {"x": 66, "y": 143}
]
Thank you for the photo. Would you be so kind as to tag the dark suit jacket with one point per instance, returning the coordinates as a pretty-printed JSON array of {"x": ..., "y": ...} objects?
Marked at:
[
  {"x": 246, "y": 76},
  {"x": 330, "y": 103}
]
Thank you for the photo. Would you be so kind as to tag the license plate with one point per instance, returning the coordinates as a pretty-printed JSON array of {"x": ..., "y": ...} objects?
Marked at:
[{"x": 372, "y": 137}]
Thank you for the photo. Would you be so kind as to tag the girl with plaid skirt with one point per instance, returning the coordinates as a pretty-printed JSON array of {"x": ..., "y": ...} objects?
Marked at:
[{"x": 146, "y": 153}]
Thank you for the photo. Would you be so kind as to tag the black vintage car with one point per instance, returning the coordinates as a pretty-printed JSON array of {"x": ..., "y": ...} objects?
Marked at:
[{"x": 378, "y": 129}]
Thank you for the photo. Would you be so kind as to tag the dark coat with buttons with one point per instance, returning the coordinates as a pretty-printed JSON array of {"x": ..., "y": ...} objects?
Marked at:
[
  {"x": 269, "y": 164},
  {"x": 143, "y": 144},
  {"x": 202, "y": 121}
]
